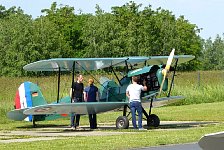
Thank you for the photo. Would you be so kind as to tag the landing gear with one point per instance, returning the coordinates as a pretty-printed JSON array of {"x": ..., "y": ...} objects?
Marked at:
[
  {"x": 122, "y": 122},
  {"x": 153, "y": 120},
  {"x": 34, "y": 123}
]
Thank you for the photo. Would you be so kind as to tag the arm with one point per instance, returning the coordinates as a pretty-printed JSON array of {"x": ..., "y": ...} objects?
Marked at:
[
  {"x": 85, "y": 96},
  {"x": 70, "y": 93},
  {"x": 97, "y": 96},
  {"x": 128, "y": 95},
  {"x": 144, "y": 86}
]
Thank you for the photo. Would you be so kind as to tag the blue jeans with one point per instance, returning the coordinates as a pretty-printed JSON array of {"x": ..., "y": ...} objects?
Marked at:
[{"x": 136, "y": 106}]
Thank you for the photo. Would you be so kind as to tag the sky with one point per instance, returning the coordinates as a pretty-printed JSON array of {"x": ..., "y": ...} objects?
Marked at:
[{"x": 206, "y": 14}]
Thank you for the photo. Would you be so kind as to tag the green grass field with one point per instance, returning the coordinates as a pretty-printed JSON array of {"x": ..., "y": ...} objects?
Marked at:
[{"x": 204, "y": 102}]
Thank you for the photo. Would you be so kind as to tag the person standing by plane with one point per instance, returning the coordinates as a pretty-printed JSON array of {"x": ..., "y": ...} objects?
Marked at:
[
  {"x": 77, "y": 96},
  {"x": 133, "y": 92},
  {"x": 91, "y": 94}
]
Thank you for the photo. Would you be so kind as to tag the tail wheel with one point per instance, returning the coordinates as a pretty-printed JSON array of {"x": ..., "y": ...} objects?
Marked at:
[
  {"x": 122, "y": 122},
  {"x": 34, "y": 123},
  {"x": 153, "y": 120}
]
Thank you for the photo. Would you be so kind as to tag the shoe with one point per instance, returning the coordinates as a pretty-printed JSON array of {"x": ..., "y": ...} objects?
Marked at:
[
  {"x": 78, "y": 128},
  {"x": 142, "y": 129},
  {"x": 72, "y": 127}
]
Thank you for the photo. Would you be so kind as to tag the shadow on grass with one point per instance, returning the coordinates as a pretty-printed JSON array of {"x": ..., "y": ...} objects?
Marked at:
[
  {"x": 67, "y": 128},
  {"x": 182, "y": 125}
]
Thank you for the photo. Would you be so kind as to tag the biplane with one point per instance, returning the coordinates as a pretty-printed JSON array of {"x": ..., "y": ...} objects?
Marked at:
[{"x": 30, "y": 105}]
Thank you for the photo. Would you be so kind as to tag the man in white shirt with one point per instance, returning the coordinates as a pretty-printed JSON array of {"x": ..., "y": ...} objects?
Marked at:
[{"x": 133, "y": 92}]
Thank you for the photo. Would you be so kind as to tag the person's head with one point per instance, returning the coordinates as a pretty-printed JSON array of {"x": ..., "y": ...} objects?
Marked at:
[
  {"x": 91, "y": 81},
  {"x": 79, "y": 78},
  {"x": 135, "y": 79}
]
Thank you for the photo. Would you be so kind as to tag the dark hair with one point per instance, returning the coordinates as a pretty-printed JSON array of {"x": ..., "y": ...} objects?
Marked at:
[{"x": 135, "y": 78}]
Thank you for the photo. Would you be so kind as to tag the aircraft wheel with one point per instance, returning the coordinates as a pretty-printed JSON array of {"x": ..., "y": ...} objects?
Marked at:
[
  {"x": 122, "y": 122},
  {"x": 153, "y": 120}
]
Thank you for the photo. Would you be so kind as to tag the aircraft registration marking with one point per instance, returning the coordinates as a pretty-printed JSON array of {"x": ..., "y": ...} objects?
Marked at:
[{"x": 45, "y": 109}]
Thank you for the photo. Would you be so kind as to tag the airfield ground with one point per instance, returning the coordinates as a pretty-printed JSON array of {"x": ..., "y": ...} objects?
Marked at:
[{"x": 60, "y": 132}]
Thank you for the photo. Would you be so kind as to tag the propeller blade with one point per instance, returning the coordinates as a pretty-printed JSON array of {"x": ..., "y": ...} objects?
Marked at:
[
  {"x": 166, "y": 69},
  {"x": 169, "y": 60},
  {"x": 161, "y": 86}
]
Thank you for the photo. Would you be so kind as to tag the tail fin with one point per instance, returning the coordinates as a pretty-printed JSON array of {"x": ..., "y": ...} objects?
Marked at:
[{"x": 28, "y": 95}]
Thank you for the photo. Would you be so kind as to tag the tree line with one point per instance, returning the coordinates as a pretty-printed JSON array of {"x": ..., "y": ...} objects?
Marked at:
[{"x": 127, "y": 30}]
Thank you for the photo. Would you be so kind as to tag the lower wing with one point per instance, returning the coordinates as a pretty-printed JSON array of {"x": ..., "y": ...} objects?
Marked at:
[
  {"x": 158, "y": 102},
  {"x": 77, "y": 108}
]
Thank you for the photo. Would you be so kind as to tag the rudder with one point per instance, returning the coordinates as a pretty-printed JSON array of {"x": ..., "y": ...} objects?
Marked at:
[{"x": 28, "y": 95}]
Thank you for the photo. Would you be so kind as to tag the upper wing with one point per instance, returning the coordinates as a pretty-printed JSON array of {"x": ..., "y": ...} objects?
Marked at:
[
  {"x": 159, "y": 60},
  {"x": 66, "y": 64},
  {"x": 77, "y": 108}
]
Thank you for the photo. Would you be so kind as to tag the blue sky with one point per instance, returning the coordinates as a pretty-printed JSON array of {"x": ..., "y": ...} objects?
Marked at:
[{"x": 206, "y": 14}]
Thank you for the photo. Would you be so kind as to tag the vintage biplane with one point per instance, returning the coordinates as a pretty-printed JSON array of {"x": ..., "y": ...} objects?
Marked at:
[{"x": 30, "y": 105}]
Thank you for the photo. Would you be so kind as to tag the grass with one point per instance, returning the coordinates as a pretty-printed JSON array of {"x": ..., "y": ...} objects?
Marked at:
[
  {"x": 124, "y": 141},
  {"x": 199, "y": 87}
]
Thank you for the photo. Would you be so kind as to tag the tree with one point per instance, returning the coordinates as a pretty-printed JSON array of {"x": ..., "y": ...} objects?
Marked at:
[
  {"x": 212, "y": 54},
  {"x": 24, "y": 41},
  {"x": 68, "y": 24},
  {"x": 14, "y": 36}
]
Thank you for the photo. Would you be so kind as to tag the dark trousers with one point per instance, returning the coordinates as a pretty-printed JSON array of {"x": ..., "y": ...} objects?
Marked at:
[
  {"x": 75, "y": 120},
  {"x": 92, "y": 121},
  {"x": 75, "y": 117}
]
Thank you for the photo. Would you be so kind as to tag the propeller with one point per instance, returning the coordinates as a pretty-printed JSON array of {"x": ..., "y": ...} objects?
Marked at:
[{"x": 166, "y": 69}]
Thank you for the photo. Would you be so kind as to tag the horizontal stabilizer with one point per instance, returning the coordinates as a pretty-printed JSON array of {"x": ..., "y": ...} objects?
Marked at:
[{"x": 17, "y": 114}]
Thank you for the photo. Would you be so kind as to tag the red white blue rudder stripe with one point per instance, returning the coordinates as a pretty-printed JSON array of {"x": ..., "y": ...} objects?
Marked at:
[{"x": 23, "y": 98}]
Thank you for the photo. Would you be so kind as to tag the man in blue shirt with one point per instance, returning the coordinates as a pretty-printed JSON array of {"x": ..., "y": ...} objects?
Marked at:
[{"x": 91, "y": 95}]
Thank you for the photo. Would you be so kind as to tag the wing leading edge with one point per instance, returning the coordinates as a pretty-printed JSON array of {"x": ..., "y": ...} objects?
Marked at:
[
  {"x": 160, "y": 60},
  {"x": 66, "y": 64},
  {"x": 77, "y": 108}
]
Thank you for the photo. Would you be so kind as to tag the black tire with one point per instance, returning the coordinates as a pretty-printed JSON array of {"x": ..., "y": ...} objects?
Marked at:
[
  {"x": 122, "y": 122},
  {"x": 153, "y": 120}
]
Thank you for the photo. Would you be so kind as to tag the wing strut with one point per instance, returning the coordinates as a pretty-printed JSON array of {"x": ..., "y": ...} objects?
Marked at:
[
  {"x": 73, "y": 74},
  {"x": 95, "y": 79},
  {"x": 126, "y": 64},
  {"x": 116, "y": 76},
  {"x": 171, "y": 84},
  {"x": 59, "y": 76}
]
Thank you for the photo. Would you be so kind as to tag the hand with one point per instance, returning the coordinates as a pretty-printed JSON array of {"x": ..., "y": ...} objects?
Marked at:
[{"x": 144, "y": 82}]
